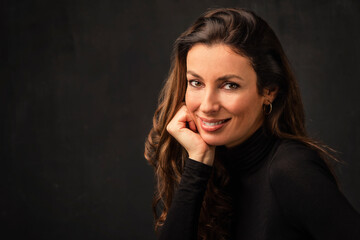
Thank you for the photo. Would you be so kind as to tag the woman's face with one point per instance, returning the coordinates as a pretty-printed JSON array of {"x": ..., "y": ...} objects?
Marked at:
[{"x": 222, "y": 95}]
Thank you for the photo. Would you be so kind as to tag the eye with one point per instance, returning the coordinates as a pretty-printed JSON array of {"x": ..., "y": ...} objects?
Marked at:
[
  {"x": 194, "y": 83},
  {"x": 231, "y": 85}
]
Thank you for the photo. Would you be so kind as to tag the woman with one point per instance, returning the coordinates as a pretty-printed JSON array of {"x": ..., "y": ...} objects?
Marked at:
[{"x": 228, "y": 143}]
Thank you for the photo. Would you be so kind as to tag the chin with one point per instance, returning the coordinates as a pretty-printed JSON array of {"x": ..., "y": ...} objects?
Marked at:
[{"x": 214, "y": 141}]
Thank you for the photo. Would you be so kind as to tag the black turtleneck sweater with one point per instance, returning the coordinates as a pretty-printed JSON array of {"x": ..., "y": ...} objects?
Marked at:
[{"x": 281, "y": 189}]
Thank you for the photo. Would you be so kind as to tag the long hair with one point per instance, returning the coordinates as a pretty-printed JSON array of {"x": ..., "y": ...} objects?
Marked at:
[{"x": 250, "y": 36}]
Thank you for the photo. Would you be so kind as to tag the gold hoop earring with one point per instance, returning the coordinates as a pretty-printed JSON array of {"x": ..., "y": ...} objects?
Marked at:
[{"x": 267, "y": 112}]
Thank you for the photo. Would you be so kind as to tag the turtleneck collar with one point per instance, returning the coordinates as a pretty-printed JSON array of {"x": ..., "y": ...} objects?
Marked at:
[{"x": 249, "y": 155}]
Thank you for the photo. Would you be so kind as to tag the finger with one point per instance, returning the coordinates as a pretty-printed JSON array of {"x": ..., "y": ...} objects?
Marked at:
[
  {"x": 182, "y": 117},
  {"x": 189, "y": 119},
  {"x": 178, "y": 121},
  {"x": 192, "y": 125}
]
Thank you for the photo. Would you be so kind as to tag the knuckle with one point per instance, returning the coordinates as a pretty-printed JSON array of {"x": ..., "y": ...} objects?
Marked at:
[{"x": 169, "y": 128}]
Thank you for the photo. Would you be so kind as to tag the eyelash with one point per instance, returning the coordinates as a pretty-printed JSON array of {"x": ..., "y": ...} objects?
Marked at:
[
  {"x": 233, "y": 86},
  {"x": 194, "y": 81}
]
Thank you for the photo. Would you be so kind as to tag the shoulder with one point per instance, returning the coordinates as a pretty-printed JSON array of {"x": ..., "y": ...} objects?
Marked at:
[
  {"x": 307, "y": 195},
  {"x": 294, "y": 161},
  {"x": 299, "y": 179},
  {"x": 295, "y": 150}
]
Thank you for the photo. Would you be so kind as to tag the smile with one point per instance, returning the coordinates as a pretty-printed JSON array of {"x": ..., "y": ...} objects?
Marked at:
[
  {"x": 213, "y": 123},
  {"x": 209, "y": 125}
]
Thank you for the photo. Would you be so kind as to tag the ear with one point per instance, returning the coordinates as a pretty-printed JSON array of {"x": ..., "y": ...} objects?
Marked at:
[{"x": 270, "y": 94}]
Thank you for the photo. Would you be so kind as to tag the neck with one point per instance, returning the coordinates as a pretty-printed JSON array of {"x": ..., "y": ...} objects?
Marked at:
[{"x": 249, "y": 155}]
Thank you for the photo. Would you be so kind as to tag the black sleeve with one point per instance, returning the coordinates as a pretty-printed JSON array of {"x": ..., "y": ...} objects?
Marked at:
[
  {"x": 182, "y": 219},
  {"x": 309, "y": 197}
]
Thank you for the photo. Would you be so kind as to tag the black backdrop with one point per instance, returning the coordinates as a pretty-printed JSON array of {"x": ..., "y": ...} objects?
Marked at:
[{"x": 79, "y": 84}]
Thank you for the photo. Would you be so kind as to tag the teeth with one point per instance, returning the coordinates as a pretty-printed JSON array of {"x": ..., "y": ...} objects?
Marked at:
[{"x": 214, "y": 123}]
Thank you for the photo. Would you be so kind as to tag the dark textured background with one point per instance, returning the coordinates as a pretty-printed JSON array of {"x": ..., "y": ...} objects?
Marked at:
[{"x": 79, "y": 84}]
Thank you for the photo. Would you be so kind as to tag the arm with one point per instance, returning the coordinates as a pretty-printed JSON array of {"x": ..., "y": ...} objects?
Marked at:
[
  {"x": 182, "y": 220},
  {"x": 309, "y": 197}
]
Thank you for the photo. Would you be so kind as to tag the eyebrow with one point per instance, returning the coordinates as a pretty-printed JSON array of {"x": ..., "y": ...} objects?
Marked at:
[{"x": 222, "y": 78}]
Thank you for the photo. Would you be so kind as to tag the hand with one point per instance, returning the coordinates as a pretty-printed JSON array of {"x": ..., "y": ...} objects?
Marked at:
[{"x": 182, "y": 127}]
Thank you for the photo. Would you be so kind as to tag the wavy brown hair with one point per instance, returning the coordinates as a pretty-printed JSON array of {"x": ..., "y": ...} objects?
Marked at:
[{"x": 250, "y": 36}]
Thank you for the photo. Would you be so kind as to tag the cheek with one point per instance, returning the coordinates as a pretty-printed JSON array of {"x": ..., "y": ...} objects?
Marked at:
[
  {"x": 245, "y": 106},
  {"x": 237, "y": 106},
  {"x": 192, "y": 102}
]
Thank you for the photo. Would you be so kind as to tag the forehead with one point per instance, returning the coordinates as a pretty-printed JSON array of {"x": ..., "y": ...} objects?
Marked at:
[{"x": 216, "y": 59}]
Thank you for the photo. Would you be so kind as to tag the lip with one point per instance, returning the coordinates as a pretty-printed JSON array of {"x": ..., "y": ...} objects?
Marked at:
[{"x": 212, "y": 128}]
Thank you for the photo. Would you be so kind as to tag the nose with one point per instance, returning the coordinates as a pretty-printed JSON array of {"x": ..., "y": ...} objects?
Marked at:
[{"x": 210, "y": 102}]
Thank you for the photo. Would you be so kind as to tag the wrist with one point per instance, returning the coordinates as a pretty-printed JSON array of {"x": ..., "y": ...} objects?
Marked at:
[{"x": 206, "y": 157}]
